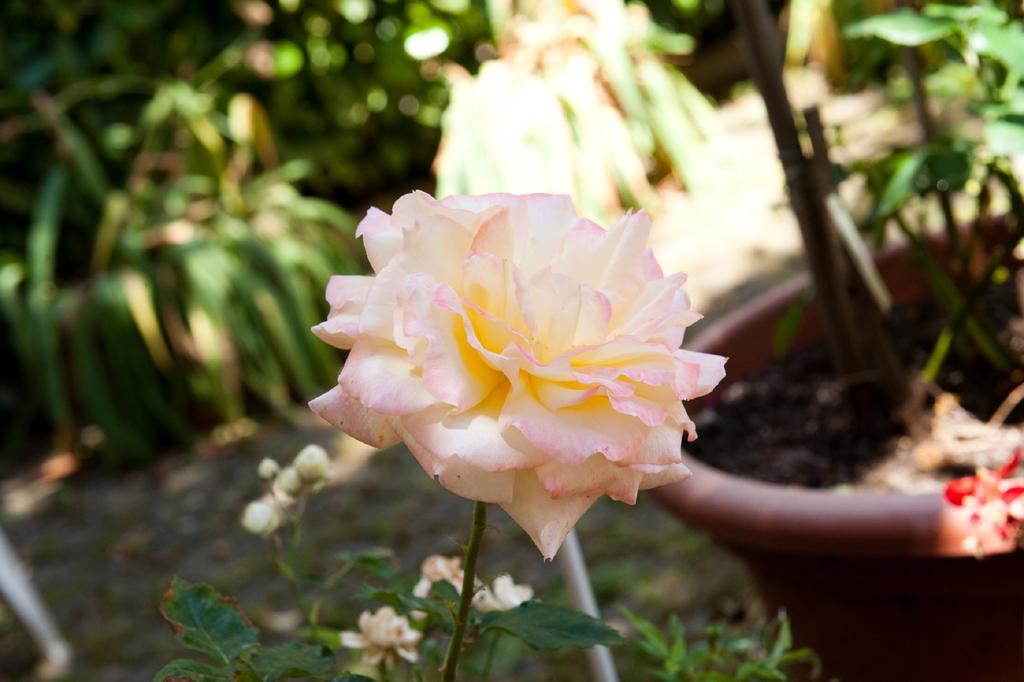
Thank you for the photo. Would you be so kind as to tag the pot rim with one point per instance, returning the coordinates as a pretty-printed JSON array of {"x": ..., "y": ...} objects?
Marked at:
[{"x": 751, "y": 514}]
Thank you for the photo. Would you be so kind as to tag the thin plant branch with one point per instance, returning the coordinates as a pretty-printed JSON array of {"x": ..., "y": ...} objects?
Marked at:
[{"x": 451, "y": 659}]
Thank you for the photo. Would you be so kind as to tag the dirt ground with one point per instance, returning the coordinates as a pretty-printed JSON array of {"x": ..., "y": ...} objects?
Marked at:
[{"x": 102, "y": 547}]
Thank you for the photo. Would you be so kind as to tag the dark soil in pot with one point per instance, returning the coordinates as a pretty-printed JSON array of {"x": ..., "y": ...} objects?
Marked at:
[{"x": 788, "y": 423}]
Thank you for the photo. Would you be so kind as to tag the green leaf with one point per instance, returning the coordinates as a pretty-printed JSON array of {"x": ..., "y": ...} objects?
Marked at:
[
  {"x": 206, "y": 621},
  {"x": 789, "y": 323},
  {"x": 947, "y": 168},
  {"x": 902, "y": 183},
  {"x": 43, "y": 232},
  {"x": 651, "y": 634},
  {"x": 328, "y": 637},
  {"x": 352, "y": 677},
  {"x": 43, "y": 302},
  {"x": 966, "y": 13},
  {"x": 783, "y": 641},
  {"x": 547, "y": 627},
  {"x": 406, "y": 603},
  {"x": 1003, "y": 43},
  {"x": 293, "y": 660},
  {"x": 1005, "y": 135},
  {"x": 187, "y": 670},
  {"x": 902, "y": 27},
  {"x": 379, "y": 561}
]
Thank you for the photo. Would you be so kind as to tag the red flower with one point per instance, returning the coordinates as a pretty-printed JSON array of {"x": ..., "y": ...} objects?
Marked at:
[{"x": 993, "y": 500}]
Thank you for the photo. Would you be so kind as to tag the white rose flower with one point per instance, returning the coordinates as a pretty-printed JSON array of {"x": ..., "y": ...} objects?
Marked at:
[
  {"x": 288, "y": 482},
  {"x": 260, "y": 518},
  {"x": 502, "y": 595},
  {"x": 436, "y": 568},
  {"x": 383, "y": 636},
  {"x": 313, "y": 464},
  {"x": 268, "y": 468}
]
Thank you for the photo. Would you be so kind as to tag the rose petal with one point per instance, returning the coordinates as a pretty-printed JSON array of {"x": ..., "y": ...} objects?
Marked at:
[
  {"x": 382, "y": 378},
  {"x": 339, "y": 409},
  {"x": 572, "y": 434},
  {"x": 346, "y": 296},
  {"x": 461, "y": 476},
  {"x": 475, "y": 436},
  {"x": 711, "y": 371},
  {"x": 381, "y": 239},
  {"x": 612, "y": 260},
  {"x": 546, "y": 520},
  {"x": 452, "y": 369},
  {"x": 535, "y": 225},
  {"x": 595, "y": 476},
  {"x": 669, "y": 474}
]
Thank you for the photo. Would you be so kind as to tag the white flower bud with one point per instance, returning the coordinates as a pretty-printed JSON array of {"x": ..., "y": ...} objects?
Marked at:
[
  {"x": 268, "y": 469},
  {"x": 288, "y": 482},
  {"x": 260, "y": 518},
  {"x": 313, "y": 464},
  {"x": 502, "y": 595}
]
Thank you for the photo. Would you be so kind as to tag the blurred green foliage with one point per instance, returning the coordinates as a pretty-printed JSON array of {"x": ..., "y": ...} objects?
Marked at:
[
  {"x": 583, "y": 100},
  {"x": 721, "y": 656},
  {"x": 975, "y": 55},
  {"x": 160, "y": 265},
  {"x": 338, "y": 77}
]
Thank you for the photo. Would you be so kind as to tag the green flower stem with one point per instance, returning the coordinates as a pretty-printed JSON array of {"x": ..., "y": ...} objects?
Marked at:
[{"x": 451, "y": 658}]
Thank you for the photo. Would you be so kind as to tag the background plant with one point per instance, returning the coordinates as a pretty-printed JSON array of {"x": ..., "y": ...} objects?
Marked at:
[
  {"x": 976, "y": 56},
  {"x": 580, "y": 100},
  {"x": 720, "y": 656},
  {"x": 159, "y": 235},
  {"x": 201, "y": 278}
]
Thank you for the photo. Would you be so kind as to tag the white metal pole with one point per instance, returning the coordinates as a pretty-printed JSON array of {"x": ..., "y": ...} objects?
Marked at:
[
  {"x": 26, "y": 603},
  {"x": 574, "y": 569}
]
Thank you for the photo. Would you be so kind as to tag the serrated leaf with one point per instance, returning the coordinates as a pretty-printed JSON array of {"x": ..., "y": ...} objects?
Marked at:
[
  {"x": 546, "y": 627},
  {"x": 187, "y": 670},
  {"x": 902, "y": 27},
  {"x": 293, "y": 660},
  {"x": 206, "y": 621}
]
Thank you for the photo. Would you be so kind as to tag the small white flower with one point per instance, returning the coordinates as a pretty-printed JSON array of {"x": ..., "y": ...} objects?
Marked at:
[
  {"x": 268, "y": 468},
  {"x": 383, "y": 636},
  {"x": 260, "y": 518},
  {"x": 288, "y": 482},
  {"x": 436, "y": 568},
  {"x": 502, "y": 595},
  {"x": 313, "y": 464}
]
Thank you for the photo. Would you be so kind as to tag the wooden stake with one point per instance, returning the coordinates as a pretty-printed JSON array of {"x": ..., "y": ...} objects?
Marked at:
[{"x": 859, "y": 348}]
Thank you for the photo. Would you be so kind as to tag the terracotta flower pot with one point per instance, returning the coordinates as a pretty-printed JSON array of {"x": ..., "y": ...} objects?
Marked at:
[{"x": 878, "y": 584}]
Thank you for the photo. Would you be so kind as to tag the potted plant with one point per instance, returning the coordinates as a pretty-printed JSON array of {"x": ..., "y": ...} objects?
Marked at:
[{"x": 886, "y": 586}]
